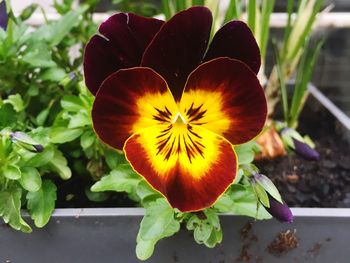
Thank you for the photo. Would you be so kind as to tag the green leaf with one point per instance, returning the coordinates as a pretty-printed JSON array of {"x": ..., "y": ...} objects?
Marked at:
[
  {"x": 28, "y": 11},
  {"x": 95, "y": 196},
  {"x": 7, "y": 114},
  {"x": 87, "y": 139},
  {"x": 59, "y": 164},
  {"x": 30, "y": 179},
  {"x": 146, "y": 193},
  {"x": 145, "y": 248},
  {"x": 11, "y": 172},
  {"x": 54, "y": 32},
  {"x": 72, "y": 103},
  {"x": 39, "y": 159},
  {"x": 114, "y": 158},
  {"x": 262, "y": 195},
  {"x": 244, "y": 202},
  {"x": 55, "y": 74},
  {"x": 214, "y": 238},
  {"x": 10, "y": 205},
  {"x": 246, "y": 152},
  {"x": 158, "y": 216},
  {"x": 63, "y": 135},
  {"x": 16, "y": 101},
  {"x": 202, "y": 232},
  {"x": 206, "y": 231},
  {"x": 158, "y": 223},
  {"x": 269, "y": 186},
  {"x": 39, "y": 56},
  {"x": 80, "y": 119},
  {"x": 42, "y": 203},
  {"x": 121, "y": 179}
]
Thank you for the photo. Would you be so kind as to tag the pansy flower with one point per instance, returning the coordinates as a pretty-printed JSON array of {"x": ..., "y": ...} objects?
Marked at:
[{"x": 174, "y": 105}]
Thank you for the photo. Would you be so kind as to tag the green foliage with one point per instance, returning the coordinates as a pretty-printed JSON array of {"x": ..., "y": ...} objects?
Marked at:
[
  {"x": 206, "y": 227},
  {"x": 36, "y": 72},
  {"x": 10, "y": 205},
  {"x": 41, "y": 203},
  {"x": 241, "y": 200},
  {"x": 159, "y": 222}
]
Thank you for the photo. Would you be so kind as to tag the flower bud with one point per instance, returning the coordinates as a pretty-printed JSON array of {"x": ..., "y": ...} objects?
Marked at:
[
  {"x": 26, "y": 142},
  {"x": 280, "y": 211},
  {"x": 296, "y": 142},
  {"x": 305, "y": 151},
  {"x": 3, "y": 15}
]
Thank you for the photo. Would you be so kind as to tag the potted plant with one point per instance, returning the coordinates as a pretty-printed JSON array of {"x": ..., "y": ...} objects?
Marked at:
[{"x": 64, "y": 125}]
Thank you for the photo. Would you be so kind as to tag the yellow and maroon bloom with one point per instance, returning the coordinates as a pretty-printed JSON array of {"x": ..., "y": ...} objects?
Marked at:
[{"x": 179, "y": 113}]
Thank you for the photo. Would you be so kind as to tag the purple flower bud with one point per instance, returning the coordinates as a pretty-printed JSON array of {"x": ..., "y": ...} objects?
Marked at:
[
  {"x": 39, "y": 148},
  {"x": 305, "y": 151},
  {"x": 26, "y": 142},
  {"x": 279, "y": 211},
  {"x": 3, "y": 15}
]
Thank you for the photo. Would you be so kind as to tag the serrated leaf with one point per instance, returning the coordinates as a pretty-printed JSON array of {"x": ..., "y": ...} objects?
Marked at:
[
  {"x": 59, "y": 164},
  {"x": 30, "y": 179},
  {"x": 63, "y": 135},
  {"x": 121, "y": 179},
  {"x": 41, "y": 203},
  {"x": 10, "y": 209},
  {"x": 11, "y": 172}
]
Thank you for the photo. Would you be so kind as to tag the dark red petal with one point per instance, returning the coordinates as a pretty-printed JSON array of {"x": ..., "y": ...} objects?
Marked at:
[
  {"x": 123, "y": 39},
  {"x": 179, "y": 47},
  {"x": 235, "y": 40},
  {"x": 128, "y": 101},
  {"x": 231, "y": 96}
]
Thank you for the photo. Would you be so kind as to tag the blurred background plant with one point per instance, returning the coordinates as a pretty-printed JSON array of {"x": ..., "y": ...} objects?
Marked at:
[{"x": 49, "y": 151}]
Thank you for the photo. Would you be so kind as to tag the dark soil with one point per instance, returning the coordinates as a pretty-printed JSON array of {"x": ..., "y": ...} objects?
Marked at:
[{"x": 325, "y": 183}]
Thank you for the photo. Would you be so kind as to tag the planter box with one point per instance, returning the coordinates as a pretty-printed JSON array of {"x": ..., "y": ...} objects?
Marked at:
[{"x": 108, "y": 235}]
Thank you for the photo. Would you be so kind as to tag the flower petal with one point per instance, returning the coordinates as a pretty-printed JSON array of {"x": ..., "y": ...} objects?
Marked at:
[
  {"x": 225, "y": 96},
  {"x": 235, "y": 40},
  {"x": 121, "y": 43},
  {"x": 179, "y": 47},
  {"x": 191, "y": 167},
  {"x": 128, "y": 101}
]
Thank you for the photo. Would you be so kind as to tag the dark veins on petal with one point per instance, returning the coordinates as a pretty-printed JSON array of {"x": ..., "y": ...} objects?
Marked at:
[
  {"x": 170, "y": 142},
  {"x": 194, "y": 114}
]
